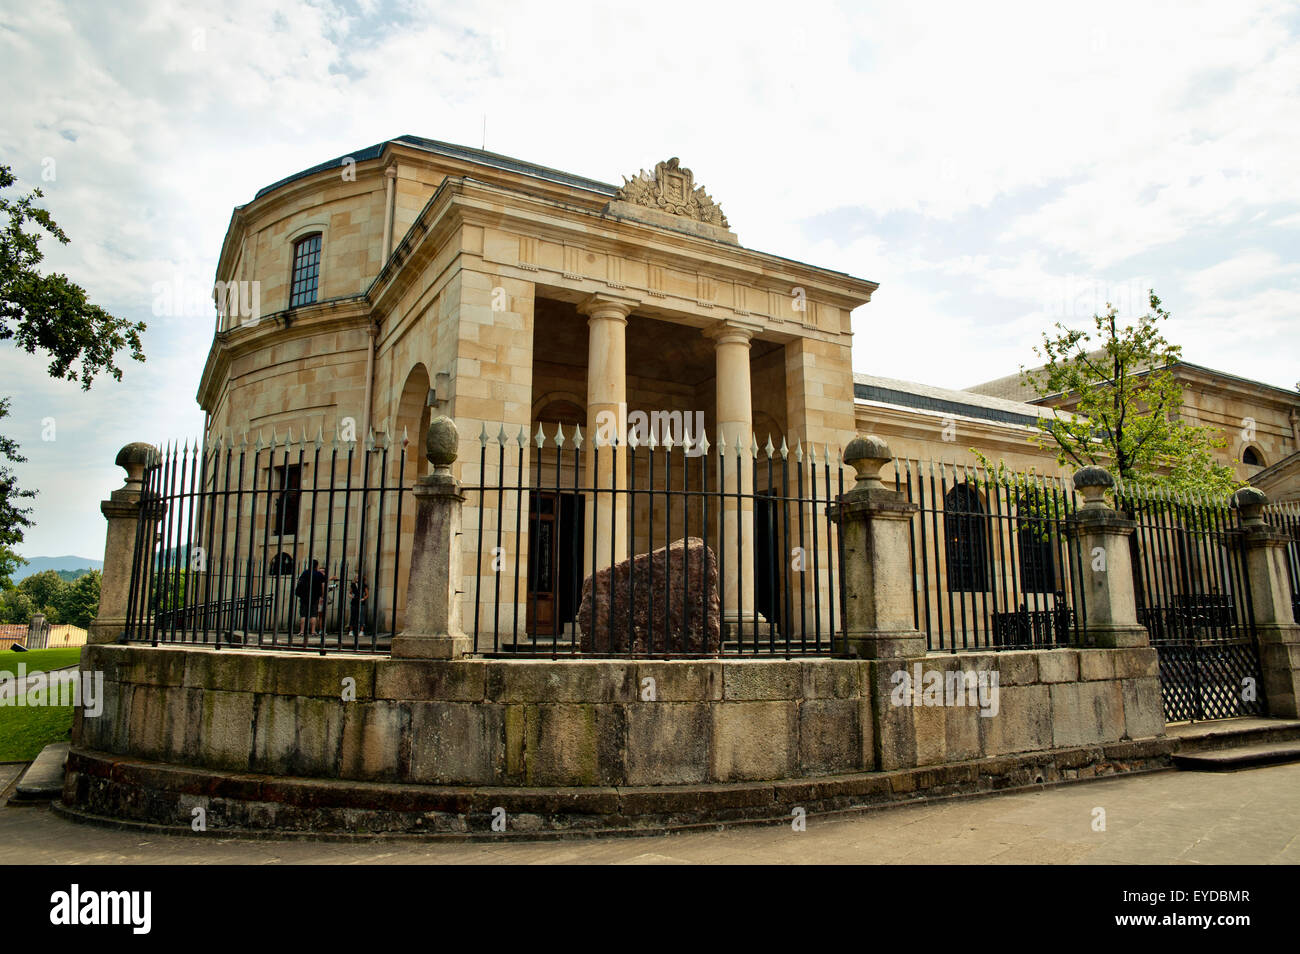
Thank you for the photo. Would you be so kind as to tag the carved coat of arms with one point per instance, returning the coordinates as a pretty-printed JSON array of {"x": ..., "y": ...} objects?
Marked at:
[{"x": 672, "y": 189}]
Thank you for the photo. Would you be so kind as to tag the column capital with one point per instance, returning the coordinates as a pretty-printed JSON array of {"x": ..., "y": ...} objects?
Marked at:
[
  {"x": 607, "y": 306},
  {"x": 731, "y": 331}
]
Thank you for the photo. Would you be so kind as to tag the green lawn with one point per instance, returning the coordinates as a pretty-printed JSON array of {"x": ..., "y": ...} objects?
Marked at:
[
  {"x": 39, "y": 660},
  {"x": 25, "y": 730}
]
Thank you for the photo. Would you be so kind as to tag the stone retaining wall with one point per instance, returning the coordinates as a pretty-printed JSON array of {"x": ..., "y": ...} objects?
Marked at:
[{"x": 598, "y": 722}]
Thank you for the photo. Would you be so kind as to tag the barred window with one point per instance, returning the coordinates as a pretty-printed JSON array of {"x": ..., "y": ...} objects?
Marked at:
[
  {"x": 286, "y": 502},
  {"x": 306, "y": 271},
  {"x": 1034, "y": 544},
  {"x": 963, "y": 527}
]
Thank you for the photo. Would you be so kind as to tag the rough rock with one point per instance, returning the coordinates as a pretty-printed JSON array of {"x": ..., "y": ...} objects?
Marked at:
[{"x": 691, "y": 623}]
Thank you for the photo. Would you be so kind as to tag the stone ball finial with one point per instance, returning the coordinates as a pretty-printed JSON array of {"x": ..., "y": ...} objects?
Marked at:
[
  {"x": 1092, "y": 483},
  {"x": 1250, "y": 502},
  {"x": 866, "y": 454},
  {"x": 134, "y": 458},
  {"x": 441, "y": 443}
]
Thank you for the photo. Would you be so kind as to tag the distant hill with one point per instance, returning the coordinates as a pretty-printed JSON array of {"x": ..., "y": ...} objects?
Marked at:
[{"x": 39, "y": 564}]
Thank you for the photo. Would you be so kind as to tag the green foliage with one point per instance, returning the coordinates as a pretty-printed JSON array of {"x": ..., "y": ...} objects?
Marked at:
[
  {"x": 52, "y": 315},
  {"x": 49, "y": 313},
  {"x": 14, "y": 518},
  {"x": 47, "y": 592},
  {"x": 15, "y": 606},
  {"x": 1126, "y": 405},
  {"x": 79, "y": 600}
]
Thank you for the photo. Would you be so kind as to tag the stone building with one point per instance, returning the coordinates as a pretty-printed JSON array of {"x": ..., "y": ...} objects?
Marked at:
[{"x": 415, "y": 278}]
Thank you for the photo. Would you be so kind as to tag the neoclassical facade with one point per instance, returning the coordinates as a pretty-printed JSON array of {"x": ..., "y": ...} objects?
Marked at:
[{"x": 417, "y": 278}]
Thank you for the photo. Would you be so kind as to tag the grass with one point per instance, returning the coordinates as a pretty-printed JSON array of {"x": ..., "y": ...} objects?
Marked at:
[
  {"x": 38, "y": 660},
  {"x": 25, "y": 730}
]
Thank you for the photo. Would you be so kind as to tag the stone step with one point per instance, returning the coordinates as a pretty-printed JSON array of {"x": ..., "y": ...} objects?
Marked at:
[
  {"x": 1196, "y": 737},
  {"x": 43, "y": 779},
  {"x": 1239, "y": 757}
]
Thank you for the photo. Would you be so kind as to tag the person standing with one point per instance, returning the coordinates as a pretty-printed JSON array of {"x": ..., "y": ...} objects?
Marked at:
[
  {"x": 310, "y": 591},
  {"x": 358, "y": 595}
]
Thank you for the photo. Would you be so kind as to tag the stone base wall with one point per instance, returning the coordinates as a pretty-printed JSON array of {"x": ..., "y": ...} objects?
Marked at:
[
  {"x": 606, "y": 728},
  {"x": 136, "y": 793}
]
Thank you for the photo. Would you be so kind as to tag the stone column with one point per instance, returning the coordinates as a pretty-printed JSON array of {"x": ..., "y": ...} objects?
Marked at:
[
  {"x": 122, "y": 511},
  {"x": 606, "y": 420},
  {"x": 1270, "y": 594},
  {"x": 735, "y": 417},
  {"x": 433, "y": 620},
  {"x": 1106, "y": 568},
  {"x": 877, "y": 570}
]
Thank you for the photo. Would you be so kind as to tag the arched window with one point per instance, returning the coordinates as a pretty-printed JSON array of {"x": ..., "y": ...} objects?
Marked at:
[
  {"x": 1251, "y": 458},
  {"x": 281, "y": 565},
  {"x": 1034, "y": 543},
  {"x": 964, "y": 533},
  {"x": 306, "y": 270}
]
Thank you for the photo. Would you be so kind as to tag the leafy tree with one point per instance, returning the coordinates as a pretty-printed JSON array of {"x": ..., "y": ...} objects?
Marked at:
[
  {"x": 50, "y": 314},
  {"x": 14, "y": 518},
  {"x": 45, "y": 590},
  {"x": 78, "y": 601},
  {"x": 1124, "y": 405},
  {"x": 15, "y": 606}
]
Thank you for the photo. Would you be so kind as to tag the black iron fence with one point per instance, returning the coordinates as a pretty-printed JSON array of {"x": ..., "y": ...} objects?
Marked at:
[
  {"x": 284, "y": 544},
  {"x": 1193, "y": 596},
  {"x": 659, "y": 545},
  {"x": 993, "y": 564},
  {"x": 1286, "y": 517}
]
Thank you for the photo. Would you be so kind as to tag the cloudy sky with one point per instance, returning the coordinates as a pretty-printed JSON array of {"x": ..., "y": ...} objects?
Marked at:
[{"x": 996, "y": 167}]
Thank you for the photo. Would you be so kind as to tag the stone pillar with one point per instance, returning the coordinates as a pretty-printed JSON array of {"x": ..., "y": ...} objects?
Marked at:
[
  {"x": 433, "y": 612},
  {"x": 606, "y": 420},
  {"x": 122, "y": 511},
  {"x": 877, "y": 570},
  {"x": 1270, "y": 594},
  {"x": 1110, "y": 605},
  {"x": 735, "y": 416}
]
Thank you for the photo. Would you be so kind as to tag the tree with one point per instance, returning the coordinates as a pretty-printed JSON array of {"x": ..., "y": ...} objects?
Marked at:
[
  {"x": 50, "y": 314},
  {"x": 14, "y": 519},
  {"x": 46, "y": 591},
  {"x": 15, "y": 606},
  {"x": 78, "y": 601},
  {"x": 1125, "y": 405}
]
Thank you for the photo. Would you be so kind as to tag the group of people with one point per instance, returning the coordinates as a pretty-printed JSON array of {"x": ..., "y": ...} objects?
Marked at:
[{"x": 311, "y": 590}]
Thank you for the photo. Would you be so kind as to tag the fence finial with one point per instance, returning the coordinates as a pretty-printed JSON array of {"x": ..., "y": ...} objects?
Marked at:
[
  {"x": 866, "y": 454},
  {"x": 1093, "y": 483},
  {"x": 1250, "y": 502},
  {"x": 441, "y": 444}
]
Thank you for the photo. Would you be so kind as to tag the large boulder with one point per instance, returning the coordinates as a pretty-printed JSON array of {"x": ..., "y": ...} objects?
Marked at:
[{"x": 683, "y": 617}]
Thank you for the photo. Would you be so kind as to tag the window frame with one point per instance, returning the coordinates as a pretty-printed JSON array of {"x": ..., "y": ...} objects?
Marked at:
[{"x": 297, "y": 242}]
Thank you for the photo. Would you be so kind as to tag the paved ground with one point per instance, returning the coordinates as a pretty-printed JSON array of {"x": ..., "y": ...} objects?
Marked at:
[{"x": 1250, "y": 817}]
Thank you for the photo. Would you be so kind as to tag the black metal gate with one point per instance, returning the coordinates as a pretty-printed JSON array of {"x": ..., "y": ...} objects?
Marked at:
[{"x": 1193, "y": 596}]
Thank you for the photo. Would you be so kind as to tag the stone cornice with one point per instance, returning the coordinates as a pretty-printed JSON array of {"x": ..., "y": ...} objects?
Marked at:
[
  {"x": 459, "y": 202},
  {"x": 282, "y": 326}
]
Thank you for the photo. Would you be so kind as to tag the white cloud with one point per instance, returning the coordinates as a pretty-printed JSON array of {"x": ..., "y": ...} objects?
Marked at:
[{"x": 1090, "y": 136}]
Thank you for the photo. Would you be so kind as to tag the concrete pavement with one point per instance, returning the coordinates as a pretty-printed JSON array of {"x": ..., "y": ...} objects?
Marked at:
[{"x": 1250, "y": 817}]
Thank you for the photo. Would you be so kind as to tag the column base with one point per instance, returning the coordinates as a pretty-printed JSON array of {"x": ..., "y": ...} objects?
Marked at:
[
  {"x": 882, "y": 645},
  {"x": 745, "y": 628},
  {"x": 105, "y": 630},
  {"x": 425, "y": 646},
  {"x": 1105, "y": 636},
  {"x": 1279, "y": 662}
]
